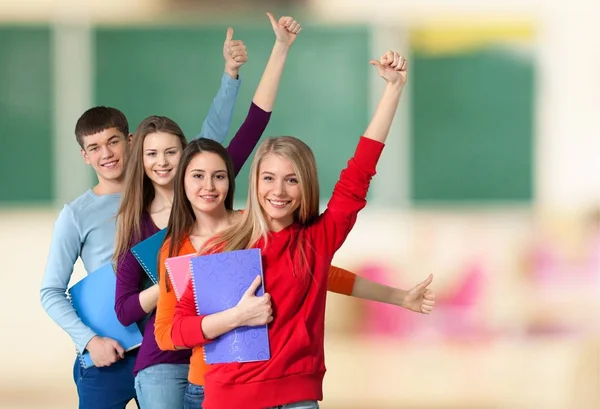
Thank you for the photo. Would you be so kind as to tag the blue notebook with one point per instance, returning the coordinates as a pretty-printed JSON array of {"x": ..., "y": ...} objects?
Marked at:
[
  {"x": 93, "y": 297},
  {"x": 146, "y": 253},
  {"x": 219, "y": 282}
]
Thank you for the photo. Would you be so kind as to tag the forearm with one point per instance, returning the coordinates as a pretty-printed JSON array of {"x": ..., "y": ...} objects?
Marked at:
[
  {"x": 149, "y": 298},
  {"x": 57, "y": 306},
  {"x": 190, "y": 331},
  {"x": 218, "y": 121},
  {"x": 372, "y": 291},
  {"x": 268, "y": 86},
  {"x": 220, "y": 323},
  {"x": 129, "y": 305},
  {"x": 381, "y": 122}
]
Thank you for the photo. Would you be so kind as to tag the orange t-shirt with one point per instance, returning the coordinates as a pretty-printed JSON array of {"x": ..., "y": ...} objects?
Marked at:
[{"x": 338, "y": 281}]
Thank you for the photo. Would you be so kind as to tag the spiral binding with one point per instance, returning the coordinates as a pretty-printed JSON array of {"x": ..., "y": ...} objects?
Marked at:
[
  {"x": 177, "y": 294},
  {"x": 144, "y": 266},
  {"x": 196, "y": 300},
  {"x": 194, "y": 287}
]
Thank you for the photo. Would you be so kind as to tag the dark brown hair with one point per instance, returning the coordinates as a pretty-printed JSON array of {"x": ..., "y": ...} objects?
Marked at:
[
  {"x": 97, "y": 119},
  {"x": 182, "y": 216}
]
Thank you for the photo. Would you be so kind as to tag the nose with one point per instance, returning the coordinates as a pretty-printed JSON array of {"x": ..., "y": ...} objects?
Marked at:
[
  {"x": 209, "y": 183},
  {"x": 279, "y": 189},
  {"x": 106, "y": 152},
  {"x": 162, "y": 160}
]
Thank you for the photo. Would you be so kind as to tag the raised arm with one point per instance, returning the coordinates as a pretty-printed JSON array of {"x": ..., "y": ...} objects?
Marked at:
[
  {"x": 392, "y": 68},
  {"x": 217, "y": 123},
  {"x": 350, "y": 192},
  {"x": 286, "y": 31}
]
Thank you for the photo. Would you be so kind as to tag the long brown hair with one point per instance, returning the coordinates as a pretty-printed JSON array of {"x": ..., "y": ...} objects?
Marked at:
[
  {"x": 253, "y": 225},
  {"x": 182, "y": 216},
  {"x": 139, "y": 191}
]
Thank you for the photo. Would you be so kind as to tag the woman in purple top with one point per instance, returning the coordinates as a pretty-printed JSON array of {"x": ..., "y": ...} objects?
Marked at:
[{"x": 161, "y": 376}]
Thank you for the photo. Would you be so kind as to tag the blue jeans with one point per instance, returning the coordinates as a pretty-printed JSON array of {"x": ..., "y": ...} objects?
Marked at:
[
  {"x": 162, "y": 386},
  {"x": 109, "y": 387},
  {"x": 194, "y": 397},
  {"x": 307, "y": 404}
]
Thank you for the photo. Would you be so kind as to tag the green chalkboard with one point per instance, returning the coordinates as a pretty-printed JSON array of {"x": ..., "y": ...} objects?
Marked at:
[
  {"x": 176, "y": 71},
  {"x": 26, "y": 174},
  {"x": 472, "y": 136}
]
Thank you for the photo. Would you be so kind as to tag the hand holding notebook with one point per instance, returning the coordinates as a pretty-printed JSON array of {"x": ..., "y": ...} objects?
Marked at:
[
  {"x": 220, "y": 281},
  {"x": 93, "y": 298}
]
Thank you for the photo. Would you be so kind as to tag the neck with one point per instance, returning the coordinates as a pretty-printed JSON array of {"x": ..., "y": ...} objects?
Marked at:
[
  {"x": 163, "y": 195},
  {"x": 108, "y": 187},
  {"x": 211, "y": 223},
  {"x": 276, "y": 225}
]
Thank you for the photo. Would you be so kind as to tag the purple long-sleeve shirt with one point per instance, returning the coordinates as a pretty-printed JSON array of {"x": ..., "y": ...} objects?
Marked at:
[{"x": 131, "y": 277}]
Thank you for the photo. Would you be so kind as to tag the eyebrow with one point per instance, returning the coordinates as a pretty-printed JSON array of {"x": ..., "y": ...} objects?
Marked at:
[
  {"x": 152, "y": 149},
  {"x": 266, "y": 172},
  {"x": 203, "y": 171},
  {"x": 93, "y": 145}
]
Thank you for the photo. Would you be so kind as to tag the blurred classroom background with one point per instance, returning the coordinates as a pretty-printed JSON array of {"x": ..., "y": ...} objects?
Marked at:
[{"x": 490, "y": 181}]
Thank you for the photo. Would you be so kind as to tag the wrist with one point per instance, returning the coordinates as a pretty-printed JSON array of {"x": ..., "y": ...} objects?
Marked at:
[
  {"x": 394, "y": 86},
  {"x": 398, "y": 297},
  {"x": 280, "y": 47},
  {"x": 232, "y": 72},
  {"x": 237, "y": 318}
]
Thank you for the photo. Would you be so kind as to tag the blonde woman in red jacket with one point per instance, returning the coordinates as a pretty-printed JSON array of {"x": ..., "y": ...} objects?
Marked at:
[{"x": 298, "y": 244}]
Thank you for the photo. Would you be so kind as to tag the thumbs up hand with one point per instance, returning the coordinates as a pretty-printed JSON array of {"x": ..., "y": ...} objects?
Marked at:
[
  {"x": 392, "y": 68},
  {"x": 420, "y": 298},
  {"x": 235, "y": 54},
  {"x": 286, "y": 29}
]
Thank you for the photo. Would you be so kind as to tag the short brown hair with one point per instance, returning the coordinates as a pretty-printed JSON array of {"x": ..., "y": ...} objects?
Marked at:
[{"x": 99, "y": 118}]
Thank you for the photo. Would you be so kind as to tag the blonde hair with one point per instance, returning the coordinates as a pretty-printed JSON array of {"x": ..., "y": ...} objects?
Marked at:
[{"x": 253, "y": 225}]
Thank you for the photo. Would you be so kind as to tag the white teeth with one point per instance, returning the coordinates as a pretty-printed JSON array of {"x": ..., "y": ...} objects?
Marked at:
[
  {"x": 110, "y": 164},
  {"x": 163, "y": 172},
  {"x": 278, "y": 203}
]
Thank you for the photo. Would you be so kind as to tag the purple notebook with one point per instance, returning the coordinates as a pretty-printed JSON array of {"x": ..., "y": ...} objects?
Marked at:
[{"x": 219, "y": 282}]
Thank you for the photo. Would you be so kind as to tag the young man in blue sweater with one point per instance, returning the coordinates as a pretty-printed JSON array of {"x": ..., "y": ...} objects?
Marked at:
[{"x": 85, "y": 229}]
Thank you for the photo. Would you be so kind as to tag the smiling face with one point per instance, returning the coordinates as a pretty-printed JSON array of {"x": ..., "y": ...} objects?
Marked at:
[
  {"x": 279, "y": 191},
  {"x": 106, "y": 151},
  {"x": 162, "y": 152},
  {"x": 206, "y": 182}
]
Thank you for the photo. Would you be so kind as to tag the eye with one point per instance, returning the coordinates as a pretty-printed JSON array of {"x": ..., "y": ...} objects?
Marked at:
[
  {"x": 268, "y": 178},
  {"x": 220, "y": 177},
  {"x": 94, "y": 149},
  {"x": 171, "y": 152},
  {"x": 151, "y": 154},
  {"x": 116, "y": 141},
  {"x": 198, "y": 176},
  {"x": 292, "y": 181}
]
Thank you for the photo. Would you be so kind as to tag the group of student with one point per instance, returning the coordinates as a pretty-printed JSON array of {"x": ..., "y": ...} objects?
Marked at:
[{"x": 155, "y": 179}]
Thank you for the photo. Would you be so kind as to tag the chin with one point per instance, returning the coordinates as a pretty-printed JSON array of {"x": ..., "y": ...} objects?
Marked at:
[{"x": 162, "y": 182}]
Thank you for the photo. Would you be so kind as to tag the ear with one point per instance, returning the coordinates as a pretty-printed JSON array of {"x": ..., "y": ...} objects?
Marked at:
[
  {"x": 130, "y": 140},
  {"x": 85, "y": 157}
]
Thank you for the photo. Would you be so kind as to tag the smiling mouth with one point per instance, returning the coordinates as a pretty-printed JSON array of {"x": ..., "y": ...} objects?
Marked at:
[
  {"x": 279, "y": 204},
  {"x": 110, "y": 165},
  {"x": 209, "y": 198},
  {"x": 163, "y": 172}
]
